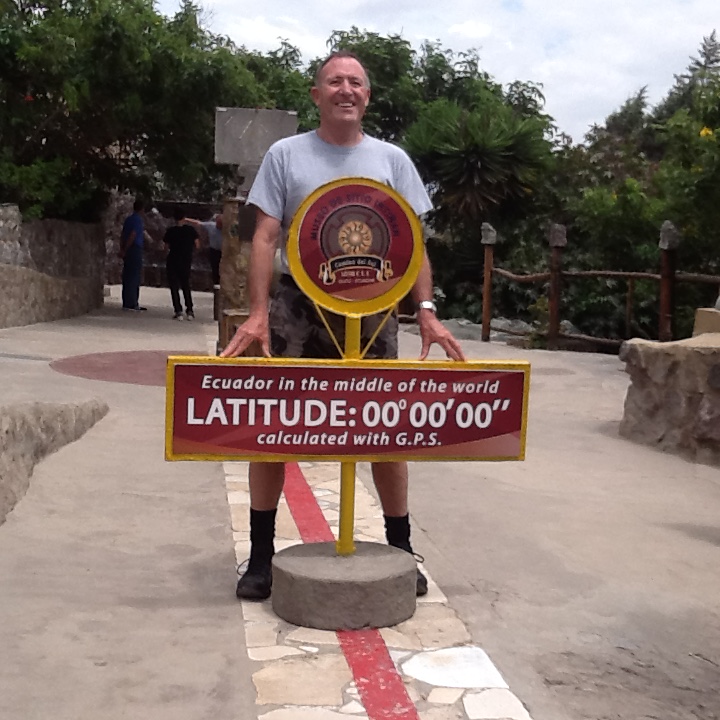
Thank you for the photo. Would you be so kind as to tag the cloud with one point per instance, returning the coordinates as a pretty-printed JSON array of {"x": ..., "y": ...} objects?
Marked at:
[
  {"x": 471, "y": 29},
  {"x": 589, "y": 56},
  {"x": 262, "y": 35}
]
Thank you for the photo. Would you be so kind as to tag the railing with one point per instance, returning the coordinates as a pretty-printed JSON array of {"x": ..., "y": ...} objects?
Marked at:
[{"x": 668, "y": 277}]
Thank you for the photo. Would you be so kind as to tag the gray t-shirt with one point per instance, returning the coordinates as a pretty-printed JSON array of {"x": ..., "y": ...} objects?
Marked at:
[
  {"x": 296, "y": 166},
  {"x": 214, "y": 234}
]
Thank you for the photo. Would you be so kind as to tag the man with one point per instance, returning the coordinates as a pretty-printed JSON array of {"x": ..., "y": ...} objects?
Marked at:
[
  {"x": 131, "y": 253},
  {"x": 213, "y": 230},
  {"x": 181, "y": 240},
  {"x": 291, "y": 170}
]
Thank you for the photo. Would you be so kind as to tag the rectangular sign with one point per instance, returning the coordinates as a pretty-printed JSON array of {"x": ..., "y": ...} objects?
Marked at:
[{"x": 272, "y": 409}]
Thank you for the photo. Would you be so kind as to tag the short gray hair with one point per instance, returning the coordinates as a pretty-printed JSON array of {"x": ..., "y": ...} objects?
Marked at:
[{"x": 341, "y": 54}]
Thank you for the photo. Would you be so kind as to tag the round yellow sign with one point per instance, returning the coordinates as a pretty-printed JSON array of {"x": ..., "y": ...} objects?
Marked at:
[{"x": 355, "y": 246}]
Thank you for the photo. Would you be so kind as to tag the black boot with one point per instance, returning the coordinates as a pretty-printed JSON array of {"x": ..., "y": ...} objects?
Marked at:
[
  {"x": 397, "y": 532},
  {"x": 256, "y": 583}
]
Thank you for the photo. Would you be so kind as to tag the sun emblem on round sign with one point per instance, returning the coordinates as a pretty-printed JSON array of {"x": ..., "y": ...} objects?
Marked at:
[
  {"x": 355, "y": 237},
  {"x": 355, "y": 246}
]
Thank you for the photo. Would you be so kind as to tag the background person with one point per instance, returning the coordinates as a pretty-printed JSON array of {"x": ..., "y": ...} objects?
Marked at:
[
  {"x": 291, "y": 170},
  {"x": 181, "y": 239},
  {"x": 132, "y": 237},
  {"x": 213, "y": 230}
]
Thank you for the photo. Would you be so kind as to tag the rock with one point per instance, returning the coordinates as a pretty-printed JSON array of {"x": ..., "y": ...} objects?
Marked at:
[
  {"x": 29, "y": 432},
  {"x": 501, "y": 329},
  {"x": 707, "y": 320},
  {"x": 567, "y": 328},
  {"x": 673, "y": 401},
  {"x": 513, "y": 327},
  {"x": 463, "y": 329}
]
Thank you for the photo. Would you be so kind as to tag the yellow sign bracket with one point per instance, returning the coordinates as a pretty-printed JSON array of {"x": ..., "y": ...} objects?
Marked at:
[
  {"x": 321, "y": 314},
  {"x": 361, "y": 353}
]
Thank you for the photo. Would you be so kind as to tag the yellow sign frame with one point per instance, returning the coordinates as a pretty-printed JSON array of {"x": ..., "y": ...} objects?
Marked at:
[{"x": 420, "y": 365}]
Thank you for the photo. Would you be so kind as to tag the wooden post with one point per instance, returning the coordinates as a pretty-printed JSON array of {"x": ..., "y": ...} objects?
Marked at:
[
  {"x": 629, "y": 304},
  {"x": 669, "y": 242},
  {"x": 238, "y": 228},
  {"x": 557, "y": 239},
  {"x": 488, "y": 237}
]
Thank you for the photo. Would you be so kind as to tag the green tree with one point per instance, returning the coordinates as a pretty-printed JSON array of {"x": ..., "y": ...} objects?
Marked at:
[
  {"x": 101, "y": 94},
  {"x": 700, "y": 72},
  {"x": 482, "y": 164},
  {"x": 285, "y": 85}
]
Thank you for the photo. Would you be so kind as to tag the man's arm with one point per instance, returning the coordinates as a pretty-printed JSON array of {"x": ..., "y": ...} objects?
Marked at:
[
  {"x": 197, "y": 224},
  {"x": 262, "y": 257},
  {"x": 200, "y": 228},
  {"x": 128, "y": 244},
  {"x": 431, "y": 329}
]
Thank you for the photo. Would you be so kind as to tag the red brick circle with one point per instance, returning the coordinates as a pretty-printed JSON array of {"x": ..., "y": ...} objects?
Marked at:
[{"x": 135, "y": 367}]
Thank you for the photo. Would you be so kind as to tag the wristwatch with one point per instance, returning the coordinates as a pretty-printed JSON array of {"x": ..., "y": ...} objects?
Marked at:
[{"x": 428, "y": 305}]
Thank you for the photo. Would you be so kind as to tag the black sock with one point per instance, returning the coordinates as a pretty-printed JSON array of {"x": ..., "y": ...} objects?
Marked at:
[
  {"x": 262, "y": 536},
  {"x": 397, "y": 532}
]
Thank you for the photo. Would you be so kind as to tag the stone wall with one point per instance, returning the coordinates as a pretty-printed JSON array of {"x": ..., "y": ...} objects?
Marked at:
[
  {"x": 49, "y": 269},
  {"x": 673, "y": 401}
]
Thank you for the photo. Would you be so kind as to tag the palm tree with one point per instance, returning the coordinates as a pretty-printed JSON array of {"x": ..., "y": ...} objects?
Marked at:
[{"x": 479, "y": 163}]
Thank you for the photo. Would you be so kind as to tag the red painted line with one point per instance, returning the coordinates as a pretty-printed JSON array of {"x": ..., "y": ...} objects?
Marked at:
[
  {"x": 381, "y": 688},
  {"x": 308, "y": 517}
]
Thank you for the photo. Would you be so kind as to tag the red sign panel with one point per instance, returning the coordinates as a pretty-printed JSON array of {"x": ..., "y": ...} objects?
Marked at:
[{"x": 380, "y": 410}]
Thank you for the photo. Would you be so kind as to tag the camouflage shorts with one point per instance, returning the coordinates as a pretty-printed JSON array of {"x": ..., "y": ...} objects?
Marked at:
[{"x": 296, "y": 330}]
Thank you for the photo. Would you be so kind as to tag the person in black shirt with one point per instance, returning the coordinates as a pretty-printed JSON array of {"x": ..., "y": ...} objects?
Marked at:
[{"x": 181, "y": 240}]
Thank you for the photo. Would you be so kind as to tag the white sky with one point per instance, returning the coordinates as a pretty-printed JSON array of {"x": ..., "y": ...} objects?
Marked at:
[{"x": 589, "y": 55}]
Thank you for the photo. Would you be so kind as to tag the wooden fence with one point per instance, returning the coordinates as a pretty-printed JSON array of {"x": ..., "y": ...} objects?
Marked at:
[{"x": 668, "y": 277}]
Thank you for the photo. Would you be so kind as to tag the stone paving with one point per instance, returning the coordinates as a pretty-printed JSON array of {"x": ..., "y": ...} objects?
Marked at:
[{"x": 302, "y": 673}]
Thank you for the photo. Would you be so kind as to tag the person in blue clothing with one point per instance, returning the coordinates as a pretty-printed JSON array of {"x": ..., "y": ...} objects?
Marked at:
[{"x": 131, "y": 252}]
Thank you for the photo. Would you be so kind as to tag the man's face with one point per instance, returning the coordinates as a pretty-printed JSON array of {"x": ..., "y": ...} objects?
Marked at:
[{"x": 342, "y": 93}]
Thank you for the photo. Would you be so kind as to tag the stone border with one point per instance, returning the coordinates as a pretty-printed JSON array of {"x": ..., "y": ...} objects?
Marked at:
[{"x": 302, "y": 673}]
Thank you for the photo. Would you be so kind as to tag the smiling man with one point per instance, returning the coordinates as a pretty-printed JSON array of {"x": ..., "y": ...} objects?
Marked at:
[{"x": 289, "y": 327}]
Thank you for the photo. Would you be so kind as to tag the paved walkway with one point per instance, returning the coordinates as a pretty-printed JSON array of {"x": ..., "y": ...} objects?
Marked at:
[{"x": 570, "y": 570}]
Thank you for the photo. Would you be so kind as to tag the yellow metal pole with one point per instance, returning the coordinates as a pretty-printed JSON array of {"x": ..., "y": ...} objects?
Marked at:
[{"x": 345, "y": 544}]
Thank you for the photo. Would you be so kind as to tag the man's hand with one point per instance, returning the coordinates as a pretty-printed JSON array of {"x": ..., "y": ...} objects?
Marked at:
[
  {"x": 433, "y": 331},
  {"x": 253, "y": 329}
]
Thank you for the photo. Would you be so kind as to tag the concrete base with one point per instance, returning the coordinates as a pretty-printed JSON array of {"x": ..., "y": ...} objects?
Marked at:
[{"x": 315, "y": 587}]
